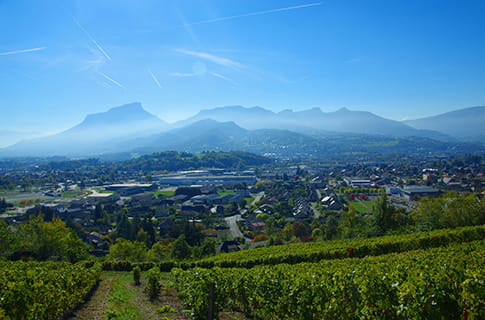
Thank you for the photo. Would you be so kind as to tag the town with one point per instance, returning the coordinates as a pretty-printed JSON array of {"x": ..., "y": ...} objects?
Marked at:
[{"x": 227, "y": 209}]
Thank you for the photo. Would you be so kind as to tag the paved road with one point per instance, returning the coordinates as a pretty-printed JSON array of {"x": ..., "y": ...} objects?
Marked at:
[
  {"x": 258, "y": 197},
  {"x": 316, "y": 214},
  {"x": 232, "y": 223}
]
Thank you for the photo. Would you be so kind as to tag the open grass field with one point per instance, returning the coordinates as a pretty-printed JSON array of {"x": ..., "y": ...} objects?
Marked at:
[{"x": 363, "y": 206}]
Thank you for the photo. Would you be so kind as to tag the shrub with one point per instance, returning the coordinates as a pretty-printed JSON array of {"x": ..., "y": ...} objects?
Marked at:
[
  {"x": 153, "y": 284},
  {"x": 136, "y": 275}
]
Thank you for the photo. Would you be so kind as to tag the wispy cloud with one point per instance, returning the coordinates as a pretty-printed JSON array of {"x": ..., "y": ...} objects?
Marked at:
[
  {"x": 105, "y": 54},
  {"x": 356, "y": 59},
  {"x": 155, "y": 79},
  {"x": 110, "y": 79},
  {"x": 21, "y": 51},
  {"x": 182, "y": 74},
  {"x": 187, "y": 26},
  {"x": 257, "y": 13},
  {"x": 220, "y": 76},
  {"x": 213, "y": 58},
  {"x": 95, "y": 62}
]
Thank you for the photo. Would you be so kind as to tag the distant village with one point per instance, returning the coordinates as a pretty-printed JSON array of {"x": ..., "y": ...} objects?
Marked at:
[{"x": 241, "y": 208}]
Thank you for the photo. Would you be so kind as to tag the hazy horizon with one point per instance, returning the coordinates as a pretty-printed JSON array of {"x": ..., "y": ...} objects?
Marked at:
[{"x": 63, "y": 60}]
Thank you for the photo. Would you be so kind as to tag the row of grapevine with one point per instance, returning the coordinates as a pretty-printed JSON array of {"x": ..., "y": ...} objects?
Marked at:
[
  {"x": 43, "y": 290},
  {"x": 325, "y": 250},
  {"x": 440, "y": 283}
]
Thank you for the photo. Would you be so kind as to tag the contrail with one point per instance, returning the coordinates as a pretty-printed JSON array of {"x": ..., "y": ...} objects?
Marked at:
[
  {"x": 220, "y": 76},
  {"x": 111, "y": 79},
  {"x": 212, "y": 58},
  {"x": 92, "y": 39},
  {"x": 257, "y": 13},
  {"x": 155, "y": 79},
  {"x": 21, "y": 51}
]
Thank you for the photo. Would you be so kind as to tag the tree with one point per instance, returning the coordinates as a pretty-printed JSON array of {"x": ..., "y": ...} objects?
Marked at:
[
  {"x": 51, "y": 240},
  {"x": 4, "y": 205},
  {"x": 383, "y": 216},
  {"x": 8, "y": 239},
  {"x": 128, "y": 250},
  {"x": 243, "y": 203},
  {"x": 330, "y": 229},
  {"x": 352, "y": 223},
  {"x": 180, "y": 249},
  {"x": 299, "y": 229},
  {"x": 317, "y": 233},
  {"x": 123, "y": 226},
  {"x": 449, "y": 211},
  {"x": 207, "y": 248},
  {"x": 188, "y": 191},
  {"x": 160, "y": 250}
]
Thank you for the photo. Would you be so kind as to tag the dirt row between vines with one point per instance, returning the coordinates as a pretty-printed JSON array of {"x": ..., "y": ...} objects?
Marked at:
[{"x": 117, "y": 298}]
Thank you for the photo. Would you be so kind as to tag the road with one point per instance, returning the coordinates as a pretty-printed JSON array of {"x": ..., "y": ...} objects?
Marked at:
[
  {"x": 258, "y": 197},
  {"x": 232, "y": 221},
  {"x": 316, "y": 214},
  {"x": 233, "y": 227}
]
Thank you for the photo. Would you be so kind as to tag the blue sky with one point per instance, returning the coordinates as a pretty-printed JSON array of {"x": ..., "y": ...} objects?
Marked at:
[{"x": 63, "y": 59}]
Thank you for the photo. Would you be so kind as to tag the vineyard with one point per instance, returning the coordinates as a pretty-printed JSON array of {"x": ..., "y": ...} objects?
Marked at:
[
  {"x": 337, "y": 249},
  {"x": 431, "y": 275},
  {"x": 43, "y": 290},
  {"x": 447, "y": 282}
]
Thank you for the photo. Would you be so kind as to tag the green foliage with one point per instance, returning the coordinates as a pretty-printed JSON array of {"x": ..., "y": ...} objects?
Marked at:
[
  {"x": 128, "y": 250},
  {"x": 159, "y": 251},
  {"x": 50, "y": 240},
  {"x": 136, "y": 275},
  {"x": 126, "y": 265},
  {"x": 352, "y": 224},
  {"x": 188, "y": 191},
  {"x": 337, "y": 249},
  {"x": 165, "y": 309},
  {"x": 43, "y": 290},
  {"x": 419, "y": 284},
  {"x": 174, "y": 161},
  {"x": 8, "y": 239},
  {"x": 206, "y": 249},
  {"x": 4, "y": 205},
  {"x": 153, "y": 283},
  {"x": 449, "y": 211},
  {"x": 180, "y": 249}
]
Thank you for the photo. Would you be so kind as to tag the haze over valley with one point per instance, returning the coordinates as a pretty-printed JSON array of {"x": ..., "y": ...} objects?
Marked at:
[{"x": 129, "y": 129}]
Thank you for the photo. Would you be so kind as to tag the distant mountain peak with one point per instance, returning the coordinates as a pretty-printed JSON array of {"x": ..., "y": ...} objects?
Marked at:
[
  {"x": 134, "y": 106},
  {"x": 463, "y": 123},
  {"x": 127, "y": 113},
  {"x": 343, "y": 110}
]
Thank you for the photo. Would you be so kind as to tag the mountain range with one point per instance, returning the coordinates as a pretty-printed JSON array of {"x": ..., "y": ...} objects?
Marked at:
[{"x": 129, "y": 129}]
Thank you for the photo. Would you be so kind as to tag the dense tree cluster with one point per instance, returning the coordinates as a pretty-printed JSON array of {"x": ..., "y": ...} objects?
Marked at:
[
  {"x": 41, "y": 240},
  {"x": 174, "y": 161}
]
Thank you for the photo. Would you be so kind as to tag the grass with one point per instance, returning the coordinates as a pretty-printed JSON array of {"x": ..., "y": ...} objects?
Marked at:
[
  {"x": 120, "y": 299},
  {"x": 71, "y": 194},
  {"x": 223, "y": 193},
  {"x": 164, "y": 193},
  {"x": 363, "y": 206}
]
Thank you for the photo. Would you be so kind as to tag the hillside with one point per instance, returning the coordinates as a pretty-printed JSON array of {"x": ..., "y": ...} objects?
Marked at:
[{"x": 464, "y": 123}]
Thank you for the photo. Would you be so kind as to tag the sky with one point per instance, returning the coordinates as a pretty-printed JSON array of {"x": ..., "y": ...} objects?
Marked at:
[{"x": 401, "y": 59}]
